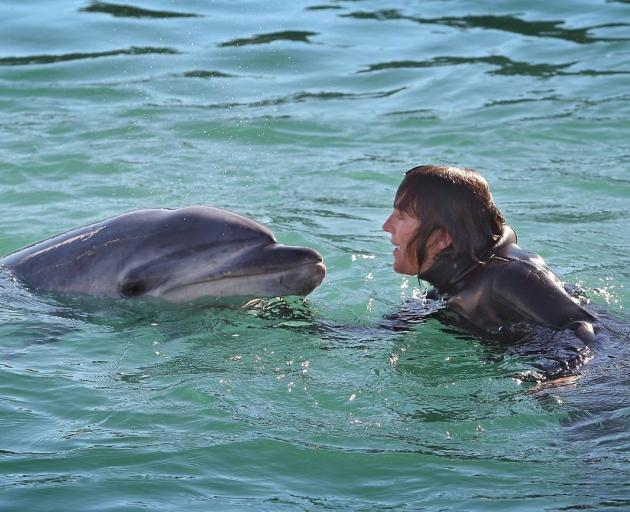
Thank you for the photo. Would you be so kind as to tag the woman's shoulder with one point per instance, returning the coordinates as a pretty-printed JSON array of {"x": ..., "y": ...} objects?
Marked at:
[{"x": 522, "y": 271}]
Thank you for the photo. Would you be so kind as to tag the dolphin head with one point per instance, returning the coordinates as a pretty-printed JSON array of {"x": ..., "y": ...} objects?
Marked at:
[{"x": 200, "y": 252}]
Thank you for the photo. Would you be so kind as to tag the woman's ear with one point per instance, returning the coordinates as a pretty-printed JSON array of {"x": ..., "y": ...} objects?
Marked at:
[
  {"x": 442, "y": 240},
  {"x": 438, "y": 240}
]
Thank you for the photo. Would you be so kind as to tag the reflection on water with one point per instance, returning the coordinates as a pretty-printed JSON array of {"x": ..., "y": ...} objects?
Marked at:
[
  {"x": 505, "y": 65},
  {"x": 287, "y": 35},
  {"x": 551, "y": 29},
  {"x": 51, "y": 59},
  {"x": 129, "y": 11},
  {"x": 301, "y": 97},
  {"x": 324, "y": 8},
  {"x": 200, "y": 73}
]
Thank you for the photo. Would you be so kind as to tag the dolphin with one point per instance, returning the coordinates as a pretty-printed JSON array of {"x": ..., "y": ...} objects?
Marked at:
[{"x": 178, "y": 255}]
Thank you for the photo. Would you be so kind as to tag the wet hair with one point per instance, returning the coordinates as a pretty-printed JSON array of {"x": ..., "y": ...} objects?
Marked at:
[{"x": 455, "y": 200}]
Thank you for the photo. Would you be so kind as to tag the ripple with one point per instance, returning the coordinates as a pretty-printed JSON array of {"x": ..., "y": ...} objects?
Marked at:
[
  {"x": 306, "y": 96},
  {"x": 129, "y": 11},
  {"x": 345, "y": 96},
  {"x": 51, "y": 59},
  {"x": 516, "y": 101},
  {"x": 506, "y": 66},
  {"x": 287, "y": 35},
  {"x": 546, "y": 29},
  {"x": 324, "y": 8},
  {"x": 200, "y": 73},
  {"x": 579, "y": 217}
]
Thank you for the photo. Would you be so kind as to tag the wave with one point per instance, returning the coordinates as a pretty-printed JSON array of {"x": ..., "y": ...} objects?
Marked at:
[
  {"x": 306, "y": 96},
  {"x": 546, "y": 29},
  {"x": 287, "y": 35},
  {"x": 324, "y": 8},
  {"x": 129, "y": 11},
  {"x": 51, "y": 59},
  {"x": 505, "y": 65},
  {"x": 201, "y": 73}
]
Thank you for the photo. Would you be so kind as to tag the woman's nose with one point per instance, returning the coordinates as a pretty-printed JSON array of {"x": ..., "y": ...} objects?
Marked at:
[{"x": 387, "y": 225}]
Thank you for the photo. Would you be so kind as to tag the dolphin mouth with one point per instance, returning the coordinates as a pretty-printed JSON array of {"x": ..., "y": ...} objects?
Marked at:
[
  {"x": 263, "y": 272},
  {"x": 278, "y": 281}
]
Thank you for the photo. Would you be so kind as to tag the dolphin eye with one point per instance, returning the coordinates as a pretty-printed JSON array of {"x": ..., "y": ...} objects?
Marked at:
[{"x": 133, "y": 288}]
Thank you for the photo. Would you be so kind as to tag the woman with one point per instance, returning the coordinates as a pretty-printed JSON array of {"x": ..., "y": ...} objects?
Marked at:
[{"x": 448, "y": 231}]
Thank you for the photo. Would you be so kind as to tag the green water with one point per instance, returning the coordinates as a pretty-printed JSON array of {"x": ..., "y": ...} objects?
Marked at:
[{"x": 304, "y": 115}]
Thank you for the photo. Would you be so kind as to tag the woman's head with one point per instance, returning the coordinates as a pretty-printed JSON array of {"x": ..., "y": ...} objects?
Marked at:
[{"x": 438, "y": 207}]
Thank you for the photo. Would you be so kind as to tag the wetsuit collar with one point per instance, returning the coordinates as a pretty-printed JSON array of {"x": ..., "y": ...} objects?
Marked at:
[{"x": 448, "y": 274}]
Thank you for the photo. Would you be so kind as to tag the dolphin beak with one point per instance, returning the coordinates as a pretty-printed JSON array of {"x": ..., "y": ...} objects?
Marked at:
[
  {"x": 303, "y": 267},
  {"x": 282, "y": 255}
]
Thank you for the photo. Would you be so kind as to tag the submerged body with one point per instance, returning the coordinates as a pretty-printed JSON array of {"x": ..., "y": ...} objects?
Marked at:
[
  {"x": 177, "y": 255},
  {"x": 506, "y": 286}
]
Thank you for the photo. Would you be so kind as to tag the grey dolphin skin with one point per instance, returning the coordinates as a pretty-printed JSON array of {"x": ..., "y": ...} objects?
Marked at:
[{"x": 179, "y": 255}]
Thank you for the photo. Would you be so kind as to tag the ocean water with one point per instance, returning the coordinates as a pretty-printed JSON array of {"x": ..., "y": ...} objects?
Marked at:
[{"x": 304, "y": 115}]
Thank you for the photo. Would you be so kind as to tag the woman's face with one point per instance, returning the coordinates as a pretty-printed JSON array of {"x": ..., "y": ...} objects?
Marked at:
[{"x": 403, "y": 228}]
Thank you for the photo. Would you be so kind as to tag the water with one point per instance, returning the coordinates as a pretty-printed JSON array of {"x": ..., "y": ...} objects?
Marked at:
[{"x": 303, "y": 115}]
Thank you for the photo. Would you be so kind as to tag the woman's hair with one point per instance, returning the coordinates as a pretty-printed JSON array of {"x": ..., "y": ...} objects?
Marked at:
[{"x": 455, "y": 200}]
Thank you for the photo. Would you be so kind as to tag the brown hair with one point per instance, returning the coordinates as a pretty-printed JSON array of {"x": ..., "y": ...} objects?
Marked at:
[{"x": 456, "y": 200}]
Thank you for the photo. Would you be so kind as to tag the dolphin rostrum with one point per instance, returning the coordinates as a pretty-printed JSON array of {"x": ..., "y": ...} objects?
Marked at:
[{"x": 179, "y": 255}]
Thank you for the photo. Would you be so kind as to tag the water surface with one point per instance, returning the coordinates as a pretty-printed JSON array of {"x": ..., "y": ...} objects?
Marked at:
[{"x": 304, "y": 115}]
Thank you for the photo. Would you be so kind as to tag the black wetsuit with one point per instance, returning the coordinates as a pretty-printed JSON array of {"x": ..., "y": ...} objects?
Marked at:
[{"x": 508, "y": 285}]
